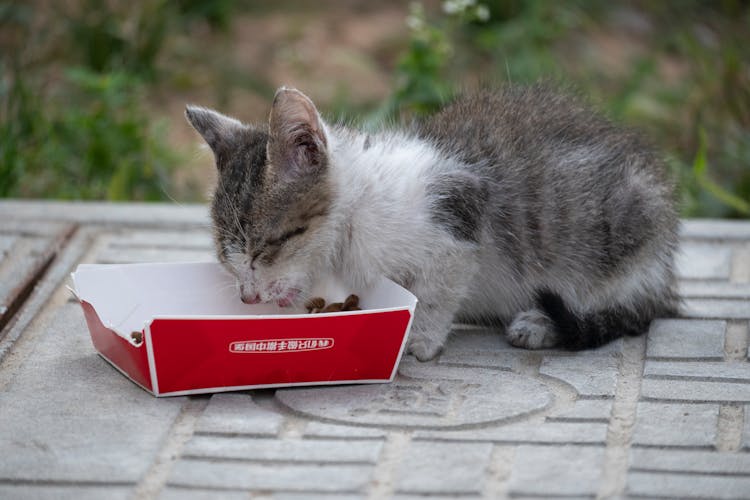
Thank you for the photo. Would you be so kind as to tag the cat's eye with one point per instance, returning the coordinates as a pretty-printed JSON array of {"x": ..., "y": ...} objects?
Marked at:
[
  {"x": 286, "y": 236},
  {"x": 272, "y": 247}
]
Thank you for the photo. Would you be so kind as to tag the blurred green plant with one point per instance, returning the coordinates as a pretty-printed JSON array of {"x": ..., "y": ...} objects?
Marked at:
[
  {"x": 697, "y": 185},
  {"x": 73, "y": 118},
  {"x": 76, "y": 79},
  {"x": 421, "y": 85},
  {"x": 130, "y": 36},
  {"x": 701, "y": 49},
  {"x": 217, "y": 13},
  {"x": 422, "y": 81},
  {"x": 105, "y": 43},
  {"x": 97, "y": 146}
]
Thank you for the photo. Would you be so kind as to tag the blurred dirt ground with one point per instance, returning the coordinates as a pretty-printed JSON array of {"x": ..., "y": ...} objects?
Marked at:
[{"x": 336, "y": 52}]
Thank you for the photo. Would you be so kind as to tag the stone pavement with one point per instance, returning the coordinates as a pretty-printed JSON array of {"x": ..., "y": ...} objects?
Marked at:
[{"x": 663, "y": 416}]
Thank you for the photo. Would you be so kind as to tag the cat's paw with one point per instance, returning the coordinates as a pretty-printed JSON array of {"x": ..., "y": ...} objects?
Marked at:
[
  {"x": 532, "y": 330},
  {"x": 424, "y": 349}
]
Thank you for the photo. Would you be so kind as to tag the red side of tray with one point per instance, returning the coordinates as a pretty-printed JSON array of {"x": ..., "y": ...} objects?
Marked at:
[
  {"x": 130, "y": 359},
  {"x": 194, "y": 354}
]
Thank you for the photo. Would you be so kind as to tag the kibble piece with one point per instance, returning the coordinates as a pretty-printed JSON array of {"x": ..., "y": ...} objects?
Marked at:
[
  {"x": 351, "y": 302},
  {"x": 315, "y": 303},
  {"x": 318, "y": 305},
  {"x": 333, "y": 307},
  {"x": 137, "y": 337}
]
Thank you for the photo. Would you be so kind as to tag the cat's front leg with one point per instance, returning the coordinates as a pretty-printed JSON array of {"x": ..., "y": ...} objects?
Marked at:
[
  {"x": 439, "y": 301},
  {"x": 458, "y": 199},
  {"x": 430, "y": 330}
]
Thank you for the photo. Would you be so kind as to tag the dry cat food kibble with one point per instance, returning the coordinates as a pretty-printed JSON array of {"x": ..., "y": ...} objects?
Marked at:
[
  {"x": 351, "y": 302},
  {"x": 318, "y": 305},
  {"x": 315, "y": 303},
  {"x": 333, "y": 307},
  {"x": 137, "y": 337}
]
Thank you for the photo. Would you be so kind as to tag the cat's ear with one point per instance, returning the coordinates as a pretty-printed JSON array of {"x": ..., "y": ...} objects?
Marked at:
[
  {"x": 298, "y": 142},
  {"x": 219, "y": 131}
]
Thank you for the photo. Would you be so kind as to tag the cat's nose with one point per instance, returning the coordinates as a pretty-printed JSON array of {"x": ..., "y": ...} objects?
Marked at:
[
  {"x": 252, "y": 298},
  {"x": 248, "y": 298}
]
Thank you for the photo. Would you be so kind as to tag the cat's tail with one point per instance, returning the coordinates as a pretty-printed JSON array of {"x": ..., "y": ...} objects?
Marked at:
[{"x": 589, "y": 330}]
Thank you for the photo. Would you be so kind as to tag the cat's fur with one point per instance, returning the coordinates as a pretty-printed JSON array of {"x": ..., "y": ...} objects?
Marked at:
[{"x": 518, "y": 206}]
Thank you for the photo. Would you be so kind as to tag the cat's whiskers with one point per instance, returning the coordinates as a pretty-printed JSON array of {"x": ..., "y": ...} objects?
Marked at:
[
  {"x": 223, "y": 232},
  {"x": 234, "y": 210}
]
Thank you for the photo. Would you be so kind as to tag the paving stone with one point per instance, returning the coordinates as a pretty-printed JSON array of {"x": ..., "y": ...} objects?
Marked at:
[
  {"x": 67, "y": 415},
  {"x": 25, "y": 258},
  {"x": 548, "y": 497},
  {"x": 664, "y": 424},
  {"x": 432, "y": 496},
  {"x": 477, "y": 339},
  {"x": 43, "y": 291},
  {"x": 681, "y": 338},
  {"x": 447, "y": 468},
  {"x": 741, "y": 264},
  {"x": 556, "y": 471},
  {"x": 704, "y": 261},
  {"x": 671, "y": 485},
  {"x": 595, "y": 377},
  {"x": 286, "y": 477},
  {"x": 6, "y": 243},
  {"x": 611, "y": 348},
  {"x": 490, "y": 341},
  {"x": 488, "y": 346},
  {"x": 585, "y": 409},
  {"x": 698, "y": 370},
  {"x": 698, "y": 289},
  {"x": 37, "y": 226},
  {"x": 498, "y": 360},
  {"x": 285, "y": 450},
  {"x": 714, "y": 229},
  {"x": 161, "y": 238},
  {"x": 314, "y": 430},
  {"x": 64, "y": 492},
  {"x": 69, "y": 421},
  {"x": 318, "y": 496},
  {"x": 716, "y": 308},
  {"x": 144, "y": 213},
  {"x": 172, "y": 493},
  {"x": 695, "y": 390},
  {"x": 660, "y": 460},
  {"x": 237, "y": 413},
  {"x": 589, "y": 433},
  {"x": 112, "y": 255},
  {"x": 424, "y": 396}
]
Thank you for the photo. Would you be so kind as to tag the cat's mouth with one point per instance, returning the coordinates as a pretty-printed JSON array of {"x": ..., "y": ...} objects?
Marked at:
[
  {"x": 250, "y": 299},
  {"x": 283, "y": 297},
  {"x": 249, "y": 296},
  {"x": 288, "y": 299}
]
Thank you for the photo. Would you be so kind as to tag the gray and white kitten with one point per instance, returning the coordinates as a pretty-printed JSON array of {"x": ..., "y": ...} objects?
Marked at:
[{"x": 519, "y": 206}]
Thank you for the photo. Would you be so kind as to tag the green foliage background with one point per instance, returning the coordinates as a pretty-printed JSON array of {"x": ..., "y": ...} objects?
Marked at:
[{"x": 75, "y": 118}]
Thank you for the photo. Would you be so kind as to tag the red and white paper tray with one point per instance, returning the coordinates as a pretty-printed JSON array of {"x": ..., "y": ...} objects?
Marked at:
[{"x": 179, "y": 329}]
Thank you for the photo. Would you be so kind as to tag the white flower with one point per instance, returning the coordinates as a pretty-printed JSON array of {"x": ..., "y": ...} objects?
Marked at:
[
  {"x": 414, "y": 23},
  {"x": 483, "y": 13},
  {"x": 415, "y": 19},
  {"x": 450, "y": 7}
]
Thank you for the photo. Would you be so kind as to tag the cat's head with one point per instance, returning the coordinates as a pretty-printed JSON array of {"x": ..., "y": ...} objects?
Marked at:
[{"x": 272, "y": 197}]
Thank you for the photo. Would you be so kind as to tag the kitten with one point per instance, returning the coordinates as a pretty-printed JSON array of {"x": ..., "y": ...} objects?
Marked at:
[{"x": 517, "y": 206}]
